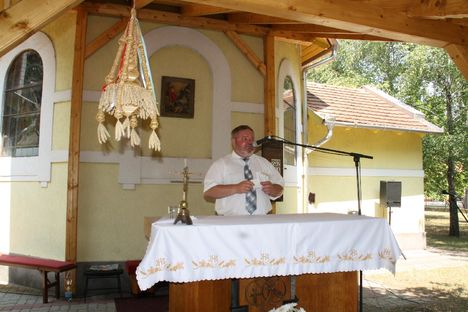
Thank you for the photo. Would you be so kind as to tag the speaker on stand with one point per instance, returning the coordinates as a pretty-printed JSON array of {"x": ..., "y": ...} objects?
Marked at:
[{"x": 390, "y": 196}]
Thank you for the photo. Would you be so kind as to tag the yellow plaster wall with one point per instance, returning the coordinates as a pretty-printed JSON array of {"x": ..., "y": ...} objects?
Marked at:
[
  {"x": 289, "y": 203},
  {"x": 62, "y": 34},
  {"x": 390, "y": 149},
  {"x": 182, "y": 62},
  {"x": 176, "y": 134},
  {"x": 61, "y": 128},
  {"x": 247, "y": 82},
  {"x": 38, "y": 216},
  {"x": 110, "y": 223},
  {"x": 338, "y": 194},
  {"x": 290, "y": 51},
  {"x": 255, "y": 121}
]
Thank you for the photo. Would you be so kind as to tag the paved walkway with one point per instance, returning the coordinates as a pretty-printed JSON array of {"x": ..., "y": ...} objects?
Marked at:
[{"x": 376, "y": 296}]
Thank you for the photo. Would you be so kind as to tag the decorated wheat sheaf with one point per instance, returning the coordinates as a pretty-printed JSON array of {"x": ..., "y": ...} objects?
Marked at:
[{"x": 128, "y": 92}]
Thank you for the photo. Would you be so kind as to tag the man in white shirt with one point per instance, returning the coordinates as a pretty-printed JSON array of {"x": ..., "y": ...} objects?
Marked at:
[{"x": 242, "y": 183}]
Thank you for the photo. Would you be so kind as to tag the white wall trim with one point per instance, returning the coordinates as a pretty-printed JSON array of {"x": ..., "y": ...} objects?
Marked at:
[
  {"x": 292, "y": 174},
  {"x": 244, "y": 107},
  {"x": 221, "y": 75},
  {"x": 33, "y": 168},
  {"x": 316, "y": 171},
  {"x": 62, "y": 96}
]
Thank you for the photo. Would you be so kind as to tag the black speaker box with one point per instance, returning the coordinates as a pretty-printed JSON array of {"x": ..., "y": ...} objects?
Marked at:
[{"x": 390, "y": 193}]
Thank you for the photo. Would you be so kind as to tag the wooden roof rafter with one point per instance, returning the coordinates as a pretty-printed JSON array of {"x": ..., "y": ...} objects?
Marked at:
[
  {"x": 430, "y": 22},
  {"x": 174, "y": 19}
]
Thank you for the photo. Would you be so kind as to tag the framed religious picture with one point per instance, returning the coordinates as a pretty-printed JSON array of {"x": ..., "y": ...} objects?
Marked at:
[{"x": 177, "y": 97}]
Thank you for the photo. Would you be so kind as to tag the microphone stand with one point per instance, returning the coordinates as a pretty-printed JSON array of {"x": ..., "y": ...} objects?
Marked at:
[{"x": 357, "y": 162}]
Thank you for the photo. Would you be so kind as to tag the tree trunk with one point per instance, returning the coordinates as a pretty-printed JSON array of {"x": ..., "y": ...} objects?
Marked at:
[
  {"x": 453, "y": 208},
  {"x": 454, "y": 224}
]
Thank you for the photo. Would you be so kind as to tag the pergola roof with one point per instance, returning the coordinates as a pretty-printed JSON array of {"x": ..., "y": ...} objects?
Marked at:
[{"x": 312, "y": 23}]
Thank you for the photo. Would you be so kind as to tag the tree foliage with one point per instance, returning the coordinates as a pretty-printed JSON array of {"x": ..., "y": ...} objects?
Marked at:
[{"x": 425, "y": 78}]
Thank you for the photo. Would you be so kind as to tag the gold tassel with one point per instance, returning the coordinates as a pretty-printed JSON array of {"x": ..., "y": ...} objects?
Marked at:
[
  {"x": 134, "y": 138},
  {"x": 102, "y": 132},
  {"x": 154, "y": 142},
  {"x": 119, "y": 130},
  {"x": 126, "y": 128}
]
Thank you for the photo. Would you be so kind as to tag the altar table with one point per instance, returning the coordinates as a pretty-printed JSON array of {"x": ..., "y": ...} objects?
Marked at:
[{"x": 219, "y": 248}]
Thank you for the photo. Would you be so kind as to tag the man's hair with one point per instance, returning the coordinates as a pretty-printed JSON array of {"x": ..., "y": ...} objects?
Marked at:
[{"x": 240, "y": 128}]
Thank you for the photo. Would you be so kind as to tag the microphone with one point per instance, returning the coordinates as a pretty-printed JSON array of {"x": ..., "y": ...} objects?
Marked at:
[{"x": 261, "y": 141}]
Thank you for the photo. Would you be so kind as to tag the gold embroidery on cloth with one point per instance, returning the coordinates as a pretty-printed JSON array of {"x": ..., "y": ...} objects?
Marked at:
[
  {"x": 386, "y": 254},
  {"x": 353, "y": 255},
  {"x": 265, "y": 260},
  {"x": 311, "y": 258},
  {"x": 163, "y": 265},
  {"x": 214, "y": 262}
]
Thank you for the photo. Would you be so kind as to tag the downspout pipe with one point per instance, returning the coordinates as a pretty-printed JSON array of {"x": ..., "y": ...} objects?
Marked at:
[
  {"x": 305, "y": 128},
  {"x": 330, "y": 124}
]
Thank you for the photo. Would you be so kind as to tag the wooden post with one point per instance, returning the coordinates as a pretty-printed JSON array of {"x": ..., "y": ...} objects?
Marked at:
[
  {"x": 74, "y": 144},
  {"x": 270, "y": 86},
  {"x": 270, "y": 91}
]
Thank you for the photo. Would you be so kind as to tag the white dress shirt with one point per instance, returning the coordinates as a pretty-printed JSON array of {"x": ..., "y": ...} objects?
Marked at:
[{"x": 230, "y": 170}]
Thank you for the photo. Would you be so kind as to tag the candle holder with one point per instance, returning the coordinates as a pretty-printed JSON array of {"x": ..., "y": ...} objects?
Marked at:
[{"x": 184, "y": 213}]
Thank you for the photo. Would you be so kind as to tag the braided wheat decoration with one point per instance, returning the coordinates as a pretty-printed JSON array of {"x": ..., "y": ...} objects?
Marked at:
[{"x": 128, "y": 92}]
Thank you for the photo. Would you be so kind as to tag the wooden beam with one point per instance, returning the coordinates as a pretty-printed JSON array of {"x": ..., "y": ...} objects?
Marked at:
[
  {"x": 106, "y": 36},
  {"x": 270, "y": 86},
  {"x": 141, "y": 3},
  {"x": 201, "y": 10},
  {"x": 439, "y": 9},
  {"x": 74, "y": 144},
  {"x": 316, "y": 31},
  {"x": 310, "y": 28},
  {"x": 247, "y": 51},
  {"x": 269, "y": 115},
  {"x": 365, "y": 17},
  {"x": 174, "y": 19},
  {"x": 252, "y": 18},
  {"x": 23, "y": 19},
  {"x": 459, "y": 55}
]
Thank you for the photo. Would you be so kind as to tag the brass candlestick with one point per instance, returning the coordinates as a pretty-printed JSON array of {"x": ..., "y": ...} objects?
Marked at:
[{"x": 184, "y": 214}]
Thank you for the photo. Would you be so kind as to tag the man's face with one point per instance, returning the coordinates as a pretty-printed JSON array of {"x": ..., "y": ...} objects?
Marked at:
[{"x": 242, "y": 143}]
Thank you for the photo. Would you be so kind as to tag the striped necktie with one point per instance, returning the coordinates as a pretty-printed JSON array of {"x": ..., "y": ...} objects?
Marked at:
[{"x": 251, "y": 196}]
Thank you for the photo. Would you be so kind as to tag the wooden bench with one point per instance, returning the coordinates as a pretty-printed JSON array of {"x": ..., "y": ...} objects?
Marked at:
[{"x": 44, "y": 266}]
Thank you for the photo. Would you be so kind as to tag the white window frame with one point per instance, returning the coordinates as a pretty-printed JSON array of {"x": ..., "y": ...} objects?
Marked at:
[{"x": 34, "y": 168}]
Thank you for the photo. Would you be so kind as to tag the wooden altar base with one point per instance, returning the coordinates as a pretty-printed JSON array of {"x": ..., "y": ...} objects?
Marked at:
[{"x": 328, "y": 292}]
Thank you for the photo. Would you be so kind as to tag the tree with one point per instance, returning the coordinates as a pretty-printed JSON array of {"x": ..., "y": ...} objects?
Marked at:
[{"x": 427, "y": 79}]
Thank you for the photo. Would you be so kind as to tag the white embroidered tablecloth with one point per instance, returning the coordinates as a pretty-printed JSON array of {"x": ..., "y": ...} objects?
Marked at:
[{"x": 219, "y": 247}]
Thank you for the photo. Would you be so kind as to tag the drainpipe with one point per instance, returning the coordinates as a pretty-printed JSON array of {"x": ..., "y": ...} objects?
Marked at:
[
  {"x": 305, "y": 128},
  {"x": 329, "y": 123}
]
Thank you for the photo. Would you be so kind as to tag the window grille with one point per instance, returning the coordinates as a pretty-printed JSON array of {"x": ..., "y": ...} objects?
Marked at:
[{"x": 21, "y": 107}]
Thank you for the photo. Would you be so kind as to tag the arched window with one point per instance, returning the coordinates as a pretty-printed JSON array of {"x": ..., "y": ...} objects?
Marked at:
[
  {"x": 289, "y": 111},
  {"x": 21, "y": 107}
]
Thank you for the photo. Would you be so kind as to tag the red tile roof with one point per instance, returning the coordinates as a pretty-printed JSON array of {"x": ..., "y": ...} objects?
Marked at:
[{"x": 365, "y": 108}]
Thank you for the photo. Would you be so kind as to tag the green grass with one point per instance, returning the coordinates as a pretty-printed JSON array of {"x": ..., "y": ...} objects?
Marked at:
[{"x": 437, "y": 229}]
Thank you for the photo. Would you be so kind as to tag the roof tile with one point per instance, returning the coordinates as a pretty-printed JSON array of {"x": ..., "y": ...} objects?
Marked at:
[{"x": 365, "y": 107}]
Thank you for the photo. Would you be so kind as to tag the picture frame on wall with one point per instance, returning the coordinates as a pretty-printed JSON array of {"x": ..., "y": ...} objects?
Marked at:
[{"x": 177, "y": 97}]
